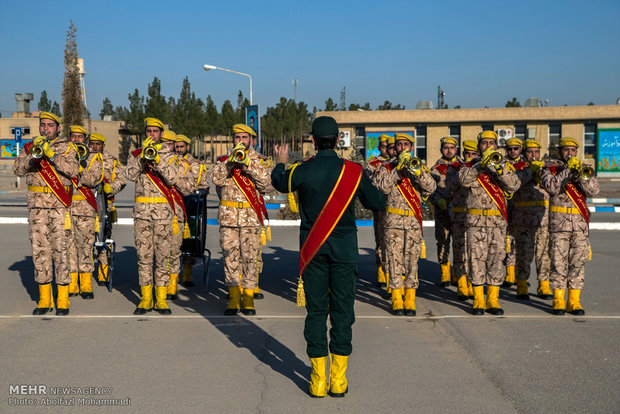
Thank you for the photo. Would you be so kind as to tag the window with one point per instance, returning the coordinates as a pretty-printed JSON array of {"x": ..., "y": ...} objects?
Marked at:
[
  {"x": 455, "y": 132},
  {"x": 521, "y": 131},
  {"x": 487, "y": 127},
  {"x": 420, "y": 142},
  {"x": 554, "y": 139},
  {"x": 589, "y": 140}
]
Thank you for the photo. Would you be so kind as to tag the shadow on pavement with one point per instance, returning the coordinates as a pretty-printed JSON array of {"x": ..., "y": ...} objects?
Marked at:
[{"x": 26, "y": 273}]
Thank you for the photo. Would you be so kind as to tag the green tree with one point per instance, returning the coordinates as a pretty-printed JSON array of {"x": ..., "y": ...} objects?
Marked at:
[
  {"x": 228, "y": 117},
  {"x": 242, "y": 103},
  {"x": 134, "y": 116},
  {"x": 356, "y": 107},
  {"x": 56, "y": 109},
  {"x": 513, "y": 103},
  {"x": 212, "y": 121},
  {"x": 72, "y": 105},
  {"x": 330, "y": 105},
  {"x": 44, "y": 102},
  {"x": 156, "y": 105},
  {"x": 107, "y": 109}
]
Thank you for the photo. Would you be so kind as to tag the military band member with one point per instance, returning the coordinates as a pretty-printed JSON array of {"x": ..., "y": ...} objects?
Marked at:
[
  {"x": 514, "y": 148},
  {"x": 391, "y": 149},
  {"x": 239, "y": 176},
  {"x": 404, "y": 184},
  {"x": 487, "y": 179},
  {"x": 48, "y": 176},
  {"x": 531, "y": 219},
  {"x": 568, "y": 184},
  {"x": 371, "y": 170},
  {"x": 458, "y": 217},
  {"x": 441, "y": 200},
  {"x": 83, "y": 216},
  {"x": 114, "y": 180},
  {"x": 153, "y": 169},
  {"x": 326, "y": 185}
]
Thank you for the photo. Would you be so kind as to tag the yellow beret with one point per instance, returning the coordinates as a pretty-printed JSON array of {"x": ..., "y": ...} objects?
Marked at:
[
  {"x": 532, "y": 143},
  {"x": 79, "y": 129},
  {"x": 470, "y": 145},
  {"x": 449, "y": 140},
  {"x": 514, "y": 141},
  {"x": 569, "y": 142},
  {"x": 97, "y": 137},
  {"x": 391, "y": 141},
  {"x": 237, "y": 128},
  {"x": 400, "y": 137},
  {"x": 384, "y": 138},
  {"x": 183, "y": 138},
  {"x": 168, "y": 135},
  {"x": 153, "y": 122},
  {"x": 487, "y": 134},
  {"x": 49, "y": 115}
]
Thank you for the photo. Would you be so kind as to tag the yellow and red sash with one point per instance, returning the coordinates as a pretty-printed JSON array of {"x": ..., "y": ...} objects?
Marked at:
[
  {"x": 176, "y": 195},
  {"x": 335, "y": 206},
  {"x": 410, "y": 194},
  {"x": 87, "y": 193},
  {"x": 249, "y": 191},
  {"x": 577, "y": 197},
  {"x": 495, "y": 192},
  {"x": 51, "y": 178},
  {"x": 157, "y": 180}
]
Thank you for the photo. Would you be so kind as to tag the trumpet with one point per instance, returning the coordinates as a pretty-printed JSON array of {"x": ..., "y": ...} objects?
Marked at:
[
  {"x": 82, "y": 152},
  {"x": 37, "y": 150},
  {"x": 496, "y": 159},
  {"x": 150, "y": 152},
  {"x": 239, "y": 155},
  {"x": 412, "y": 164},
  {"x": 584, "y": 172}
]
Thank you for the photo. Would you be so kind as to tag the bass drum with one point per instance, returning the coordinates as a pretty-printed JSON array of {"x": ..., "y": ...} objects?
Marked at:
[{"x": 196, "y": 207}]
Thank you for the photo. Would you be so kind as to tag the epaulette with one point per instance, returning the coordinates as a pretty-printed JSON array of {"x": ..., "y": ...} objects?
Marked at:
[
  {"x": 265, "y": 161},
  {"x": 222, "y": 158}
]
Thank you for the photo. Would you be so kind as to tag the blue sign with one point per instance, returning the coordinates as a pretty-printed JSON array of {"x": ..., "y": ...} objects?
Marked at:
[
  {"x": 608, "y": 152},
  {"x": 18, "y": 135}
]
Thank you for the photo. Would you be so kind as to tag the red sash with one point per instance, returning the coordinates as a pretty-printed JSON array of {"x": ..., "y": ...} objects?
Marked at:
[
  {"x": 335, "y": 206},
  {"x": 495, "y": 192},
  {"x": 87, "y": 193},
  {"x": 51, "y": 178},
  {"x": 158, "y": 180},
  {"x": 249, "y": 191},
  {"x": 577, "y": 197},
  {"x": 410, "y": 194},
  {"x": 179, "y": 200},
  {"x": 521, "y": 165}
]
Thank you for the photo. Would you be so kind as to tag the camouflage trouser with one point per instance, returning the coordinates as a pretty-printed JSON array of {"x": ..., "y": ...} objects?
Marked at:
[
  {"x": 81, "y": 249},
  {"x": 569, "y": 252},
  {"x": 240, "y": 249},
  {"x": 153, "y": 241},
  {"x": 486, "y": 247},
  {"x": 259, "y": 260},
  {"x": 403, "y": 251},
  {"x": 532, "y": 243},
  {"x": 511, "y": 257},
  {"x": 443, "y": 233},
  {"x": 175, "y": 249},
  {"x": 50, "y": 242},
  {"x": 378, "y": 226},
  {"x": 459, "y": 248}
]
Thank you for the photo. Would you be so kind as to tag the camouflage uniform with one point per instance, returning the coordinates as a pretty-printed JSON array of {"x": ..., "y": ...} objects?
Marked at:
[
  {"x": 378, "y": 223},
  {"x": 569, "y": 232},
  {"x": 458, "y": 220},
  {"x": 403, "y": 232},
  {"x": 240, "y": 227},
  {"x": 511, "y": 256},
  {"x": 47, "y": 216},
  {"x": 153, "y": 217},
  {"x": 486, "y": 233}
]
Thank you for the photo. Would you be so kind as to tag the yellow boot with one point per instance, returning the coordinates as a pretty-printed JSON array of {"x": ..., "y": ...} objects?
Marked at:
[
  {"x": 161, "y": 306},
  {"x": 397, "y": 302},
  {"x": 462, "y": 291},
  {"x": 86, "y": 286},
  {"x": 46, "y": 300},
  {"x": 62, "y": 301},
  {"x": 248, "y": 302},
  {"x": 543, "y": 291},
  {"x": 103, "y": 276},
  {"x": 172, "y": 286},
  {"x": 257, "y": 293},
  {"x": 338, "y": 386},
  {"x": 234, "y": 300},
  {"x": 74, "y": 287},
  {"x": 522, "y": 290},
  {"x": 453, "y": 278},
  {"x": 478, "y": 306},
  {"x": 381, "y": 276},
  {"x": 510, "y": 276},
  {"x": 574, "y": 305},
  {"x": 188, "y": 269},
  {"x": 388, "y": 289},
  {"x": 146, "y": 303},
  {"x": 409, "y": 302},
  {"x": 558, "y": 307},
  {"x": 493, "y": 306},
  {"x": 445, "y": 274},
  {"x": 318, "y": 377},
  {"x": 470, "y": 289}
]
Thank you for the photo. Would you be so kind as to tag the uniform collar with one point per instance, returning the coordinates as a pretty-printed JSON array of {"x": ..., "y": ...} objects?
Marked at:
[{"x": 326, "y": 153}]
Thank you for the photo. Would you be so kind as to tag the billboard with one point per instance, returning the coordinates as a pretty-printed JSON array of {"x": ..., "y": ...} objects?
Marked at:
[
  {"x": 372, "y": 141},
  {"x": 8, "y": 148},
  {"x": 608, "y": 153},
  {"x": 253, "y": 121}
]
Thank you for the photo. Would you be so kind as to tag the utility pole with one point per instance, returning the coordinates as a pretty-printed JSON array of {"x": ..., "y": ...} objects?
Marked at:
[
  {"x": 343, "y": 99},
  {"x": 440, "y": 95},
  {"x": 295, "y": 82}
]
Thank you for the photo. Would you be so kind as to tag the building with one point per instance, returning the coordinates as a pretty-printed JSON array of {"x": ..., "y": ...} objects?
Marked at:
[{"x": 596, "y": 127}]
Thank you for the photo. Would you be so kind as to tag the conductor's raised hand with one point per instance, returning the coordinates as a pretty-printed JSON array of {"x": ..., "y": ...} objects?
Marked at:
[{"x": 281, "y": 153}]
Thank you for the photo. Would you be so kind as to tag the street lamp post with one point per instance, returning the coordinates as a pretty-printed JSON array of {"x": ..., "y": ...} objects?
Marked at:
[{"x": 211, "y": 67}]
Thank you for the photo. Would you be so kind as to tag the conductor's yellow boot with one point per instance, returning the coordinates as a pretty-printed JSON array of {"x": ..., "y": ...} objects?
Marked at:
[
  {"x": 318, "y": 377},
  {"x": 338, "y": 386}
]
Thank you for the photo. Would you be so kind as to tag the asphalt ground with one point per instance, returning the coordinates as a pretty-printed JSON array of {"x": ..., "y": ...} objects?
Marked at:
[{"x": 197, "y": 360}]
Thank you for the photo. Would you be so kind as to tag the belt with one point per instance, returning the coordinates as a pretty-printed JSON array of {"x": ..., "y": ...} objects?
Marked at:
[
  {"x": 78, "y": 197},
  {"x": 538, "y": 203},
  {"x": 151, "y": 200},
  {"x": 459, "y": 209},
  {"x": 46, "y": 189},
  {"x": 565, "y": 210},
  {"x": 238, "y": 204},
  {"x": 399, "y": 211},
  {"x": 483, "y": 212}
]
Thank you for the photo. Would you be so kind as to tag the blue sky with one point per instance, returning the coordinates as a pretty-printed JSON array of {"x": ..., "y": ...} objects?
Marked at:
[{"x": 481, "y": 53}]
